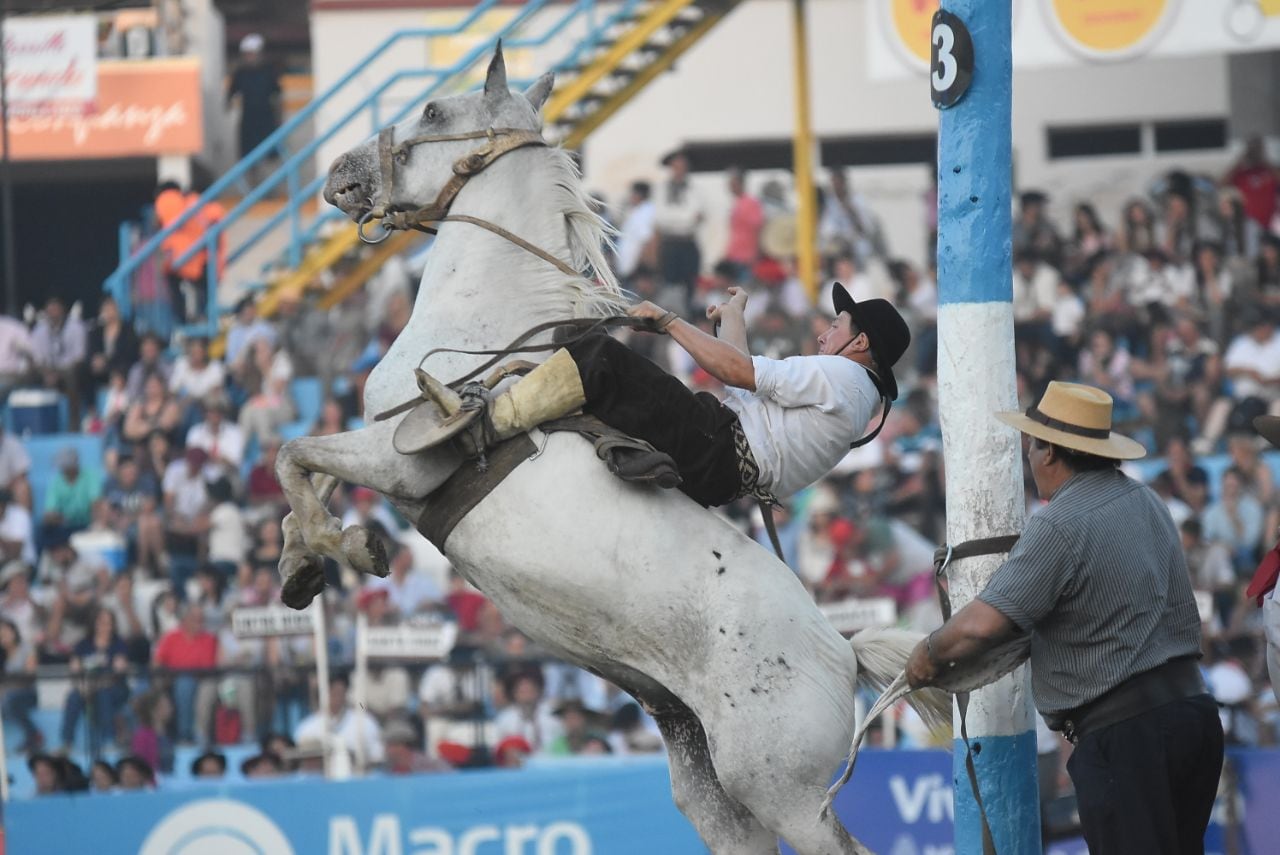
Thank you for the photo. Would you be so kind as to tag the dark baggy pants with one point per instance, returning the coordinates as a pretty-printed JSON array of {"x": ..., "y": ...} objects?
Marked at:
[
  {"x": 1147, "y": 784},
  {"x": 630, "y": 393}
]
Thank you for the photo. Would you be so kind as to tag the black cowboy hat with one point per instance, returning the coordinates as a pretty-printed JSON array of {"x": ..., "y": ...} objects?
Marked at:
[{"x": 885, "y": 329}]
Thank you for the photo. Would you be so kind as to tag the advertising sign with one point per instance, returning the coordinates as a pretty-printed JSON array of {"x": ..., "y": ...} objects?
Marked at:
[
  {"x": 51, "y": 64},
  {"x": 144, "y": 109}
]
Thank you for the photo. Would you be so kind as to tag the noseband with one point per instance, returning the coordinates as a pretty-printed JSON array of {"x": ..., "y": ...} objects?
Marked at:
[{"x": 500, "y": 141}]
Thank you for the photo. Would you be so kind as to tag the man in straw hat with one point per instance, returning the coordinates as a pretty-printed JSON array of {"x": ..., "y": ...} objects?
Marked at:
[
  {"x": 1099, "y": 581},
  {"x": 783, "y": 424},
  {"x": 1263, "y": 587}
]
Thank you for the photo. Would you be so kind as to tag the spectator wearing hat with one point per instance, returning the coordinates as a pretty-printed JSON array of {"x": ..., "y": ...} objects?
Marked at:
[
  {"x": 17, "y": 535},
  {"x": 68, "y": 503},
  {"x": 18, "y": 694},
  {"x": 404, "y": 756},
  {"x": 135, "y": 774},
  {"x": 210, "y": 764},
  {"x": 255, "y": 87},
  {"x": 578, "y": 725},
  {"x": 511, "y": 752},
  {"x": 358, "y": 731},
  {"x": 1099, "y": 581}
]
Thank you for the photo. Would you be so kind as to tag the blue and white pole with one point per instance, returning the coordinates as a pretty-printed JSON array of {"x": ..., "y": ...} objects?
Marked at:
[{"x": 976, "y": 377}]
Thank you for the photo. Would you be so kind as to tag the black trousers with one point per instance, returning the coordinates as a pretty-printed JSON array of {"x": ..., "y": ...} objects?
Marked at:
[
  {"x": 1146, "y": 785},
  {"x": 630, "y": 393}
]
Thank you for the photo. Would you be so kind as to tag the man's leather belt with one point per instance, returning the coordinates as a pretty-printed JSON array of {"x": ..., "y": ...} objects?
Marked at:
[{"x": 1174, "y": 680}]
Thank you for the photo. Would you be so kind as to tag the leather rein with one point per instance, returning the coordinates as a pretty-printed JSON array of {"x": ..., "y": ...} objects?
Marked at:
[{"x": 498, "y": 141}]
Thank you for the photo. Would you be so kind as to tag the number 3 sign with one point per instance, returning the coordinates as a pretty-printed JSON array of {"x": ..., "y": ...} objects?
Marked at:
[{"x": 951, "y": 60}]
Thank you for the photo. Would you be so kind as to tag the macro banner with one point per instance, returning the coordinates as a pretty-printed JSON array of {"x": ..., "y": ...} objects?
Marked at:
[
  {"x": 898, "y": 803},
  {"x": 51, "y": 65},
  {"x": 1068, "y": 32}
]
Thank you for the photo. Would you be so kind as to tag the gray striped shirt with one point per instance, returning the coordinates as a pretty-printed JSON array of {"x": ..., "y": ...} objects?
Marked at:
[{"x": 1100, "y": 581}]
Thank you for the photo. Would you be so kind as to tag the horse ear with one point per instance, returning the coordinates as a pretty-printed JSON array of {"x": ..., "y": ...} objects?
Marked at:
[
  {"x": 540, "y": 90},
  {"x": 495, "y": 82}
]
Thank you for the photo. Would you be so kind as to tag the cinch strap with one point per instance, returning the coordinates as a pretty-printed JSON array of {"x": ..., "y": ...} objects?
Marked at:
[{"x": 1048, "y": 421}]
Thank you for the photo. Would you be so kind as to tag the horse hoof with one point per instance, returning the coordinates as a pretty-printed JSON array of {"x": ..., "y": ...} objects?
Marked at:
[
  {"x": 304, "y": 583},
  {"x": 364, "y": 551}
]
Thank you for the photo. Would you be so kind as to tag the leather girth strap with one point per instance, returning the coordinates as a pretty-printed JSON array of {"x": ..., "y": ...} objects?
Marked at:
[
  {"x": 941, "y": 559},
  {"x": 468, "y": 486}
]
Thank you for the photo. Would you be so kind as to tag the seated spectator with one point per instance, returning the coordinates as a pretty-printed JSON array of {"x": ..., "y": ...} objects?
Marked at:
[
  {"x": 264, "y": 556},
  {"x": 59, "y": 349},
  {"x": 132, "y": 497},
  {"x": 245, "y": 657},
  {"x": 47, "y": 771},
  {"x": 356, "y": 729},
  {"x": 1235, "y": 521},
  {"x": 1034, "y": 231},
  {"x": 1252, "y": 363},
  {"x": 16, "y": 604},
  {"x": 210, "y": 764},
  {"x": 17, "y": 536},
  {"x": 528, "y": 715},
  {"x": 195, "y": 376},
  {"x": 113, "y": 346},
  {"x": 511, "y": 752},
  {"x": 189, "y": 649},
  {"x": 260, "y": 766},
  {"x": 281, "y": 745},
  {"x": 579, "y": 724},
  {"x": 15, "y": 463},
  {"x": 150, "y": 361},
  {"x": 245, "y": 328},
  {"x": 135, "y": 774},
  {"x": 98, "y": 668},
  {"x": 15, "y": 355},
  {"x": 385, "y": 688},
  {"x": 1209, "y": 564},
  {"x": 186, "y": 516},
  {"x": 630, "y": 735},
  {"x": 411, "y": 591},
  {"x": 18, "y": 690},
  {"x": 1247, "y": 460},
  {"x": 262, "y": 488},
  {"x": 332, "y": 419},
  {"x": 70, "y": 586},
  {"x": 1106, "y": 364},
  {"x": 366, "y": 507},
  {"x": 103, "y": 777},
  {"x": 404, "y": 754},
  {"x": 220, "y": 439},
  {"x": 267, "y": 410},
  {"x": 150, "y": 739},
  {"x": 68, "y": 502},
  {"x": 132, "y": 627},
  {"x": 155, "y": 410},
  {"x": 228, "y": 534}
]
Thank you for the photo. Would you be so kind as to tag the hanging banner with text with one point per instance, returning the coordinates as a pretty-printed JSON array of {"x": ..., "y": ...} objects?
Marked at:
[
  {"x": 144, "y": 109},
  {"x": 1066, "y": 32},
  {"x": 51, "y": 65}
]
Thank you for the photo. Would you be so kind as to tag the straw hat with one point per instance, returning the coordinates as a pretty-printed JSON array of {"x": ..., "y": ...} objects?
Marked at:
[
  {"x": 1269, "y": 428},
  {"x": 1077, "y": 417}
]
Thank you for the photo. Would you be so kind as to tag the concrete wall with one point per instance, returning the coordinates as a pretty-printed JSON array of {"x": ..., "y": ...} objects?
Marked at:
[{"x": 736, "y": 84}]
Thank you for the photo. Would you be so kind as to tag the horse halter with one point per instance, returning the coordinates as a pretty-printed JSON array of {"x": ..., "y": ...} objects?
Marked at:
[{"x": 500, "y": 141}]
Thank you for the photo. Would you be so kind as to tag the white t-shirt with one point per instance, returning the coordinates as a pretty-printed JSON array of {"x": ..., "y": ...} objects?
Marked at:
[
  {"x": 356, "y": 728},
  {"x": 416, "y": 591},
  {"x": 189, "y": 494},
  {"x": 1038, "y": 295},
  {"x": 196, "y": 382},
  {"x": 14, "y": 460},
  {"x": 228, "y": 539},
  {"x": 1246, "y": 352},
  {"x": 15, "y": 526},
  {"x": 227, "y": 443},
  {"x": 802, "y": 417}
]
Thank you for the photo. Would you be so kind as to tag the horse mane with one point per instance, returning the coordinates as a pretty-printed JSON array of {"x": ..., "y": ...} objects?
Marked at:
[{"x": 589, "y": 237}]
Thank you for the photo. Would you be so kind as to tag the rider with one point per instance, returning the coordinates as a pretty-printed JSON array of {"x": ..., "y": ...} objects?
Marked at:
[{"x": 781, "y": 426}]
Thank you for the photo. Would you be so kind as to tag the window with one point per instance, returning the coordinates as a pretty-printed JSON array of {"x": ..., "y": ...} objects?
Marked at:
[
  {"x": 1094, "y": 140},
  {"x": 1191, "y": 135}
]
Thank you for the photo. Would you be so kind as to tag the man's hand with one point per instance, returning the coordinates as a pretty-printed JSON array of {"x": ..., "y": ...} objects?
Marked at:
[
  {"x": 651, "y": 312},
  {"x": 737, "y": 303},
  {"x": 920, "y": 668}
]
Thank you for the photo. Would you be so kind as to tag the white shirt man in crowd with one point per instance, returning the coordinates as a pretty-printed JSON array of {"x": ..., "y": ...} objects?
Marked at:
[{"x": 355, "y": 729}]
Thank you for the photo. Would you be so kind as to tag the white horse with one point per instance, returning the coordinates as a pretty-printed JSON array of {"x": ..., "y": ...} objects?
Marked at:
[{"x": 751, "y": 686}]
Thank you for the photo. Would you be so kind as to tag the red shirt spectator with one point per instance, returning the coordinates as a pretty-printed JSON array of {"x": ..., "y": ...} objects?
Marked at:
[
  {"x": 188, "y": 646},
  {"x": 1257, "y": 181},
  {"x": 745, "y": 221}
]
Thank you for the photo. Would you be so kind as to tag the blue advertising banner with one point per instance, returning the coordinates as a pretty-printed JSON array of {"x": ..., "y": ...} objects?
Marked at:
[{"x": 899, "y": 802}]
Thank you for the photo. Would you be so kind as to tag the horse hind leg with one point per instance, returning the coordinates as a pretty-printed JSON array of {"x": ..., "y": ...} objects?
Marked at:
[
  {"x": 725, "y": 825},
  {"x": 301, "y": 569}
]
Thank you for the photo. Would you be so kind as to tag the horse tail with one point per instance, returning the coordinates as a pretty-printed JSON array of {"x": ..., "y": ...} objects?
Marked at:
[{"x": 882, "y": 656}]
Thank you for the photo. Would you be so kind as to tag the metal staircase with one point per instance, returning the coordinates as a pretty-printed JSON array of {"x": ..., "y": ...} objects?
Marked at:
[{"x": 622, "y": 48}]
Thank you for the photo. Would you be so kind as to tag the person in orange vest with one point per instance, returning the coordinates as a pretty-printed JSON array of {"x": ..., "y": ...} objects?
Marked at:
[{"x": 186, "y": 282}]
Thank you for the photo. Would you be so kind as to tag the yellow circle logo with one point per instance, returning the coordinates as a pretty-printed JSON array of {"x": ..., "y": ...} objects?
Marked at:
[
  {"x": 1108, "y": 27},
  {"x": 912, "y": 21}
]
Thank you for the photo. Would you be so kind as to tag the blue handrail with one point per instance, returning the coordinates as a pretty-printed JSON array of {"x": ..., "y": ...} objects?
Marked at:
[{"x": 289, "y": 170}]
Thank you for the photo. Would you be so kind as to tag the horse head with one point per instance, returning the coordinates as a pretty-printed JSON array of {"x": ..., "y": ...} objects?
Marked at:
[{"x": 412, "y": 166}]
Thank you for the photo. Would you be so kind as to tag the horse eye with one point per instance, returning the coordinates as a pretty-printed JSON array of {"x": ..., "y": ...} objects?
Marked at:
[{"x": 431, "y": 113}]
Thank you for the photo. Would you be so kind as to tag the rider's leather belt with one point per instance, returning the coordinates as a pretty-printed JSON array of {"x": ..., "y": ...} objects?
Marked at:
[{"x": 1174, "y": 680}]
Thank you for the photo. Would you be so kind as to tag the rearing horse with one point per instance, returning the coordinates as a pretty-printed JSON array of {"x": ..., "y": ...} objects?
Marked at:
[{"x": 751, "y": 686}]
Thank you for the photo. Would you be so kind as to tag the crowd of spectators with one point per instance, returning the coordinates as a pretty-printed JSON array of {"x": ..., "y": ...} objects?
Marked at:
[{"x": 123, "y": 582}]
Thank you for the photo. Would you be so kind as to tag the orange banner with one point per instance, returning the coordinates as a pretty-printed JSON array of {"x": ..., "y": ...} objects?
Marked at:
[{"x": 144, "y": 109}]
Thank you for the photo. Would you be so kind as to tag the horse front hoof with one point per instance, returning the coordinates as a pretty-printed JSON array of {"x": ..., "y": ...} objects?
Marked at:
[
  {"x": 364, "y": 551},
  {"x": 303, "y": 582}
]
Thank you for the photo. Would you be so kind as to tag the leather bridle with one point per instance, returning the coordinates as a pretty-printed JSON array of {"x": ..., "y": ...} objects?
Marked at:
[{"x": 499, "y": 141}]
